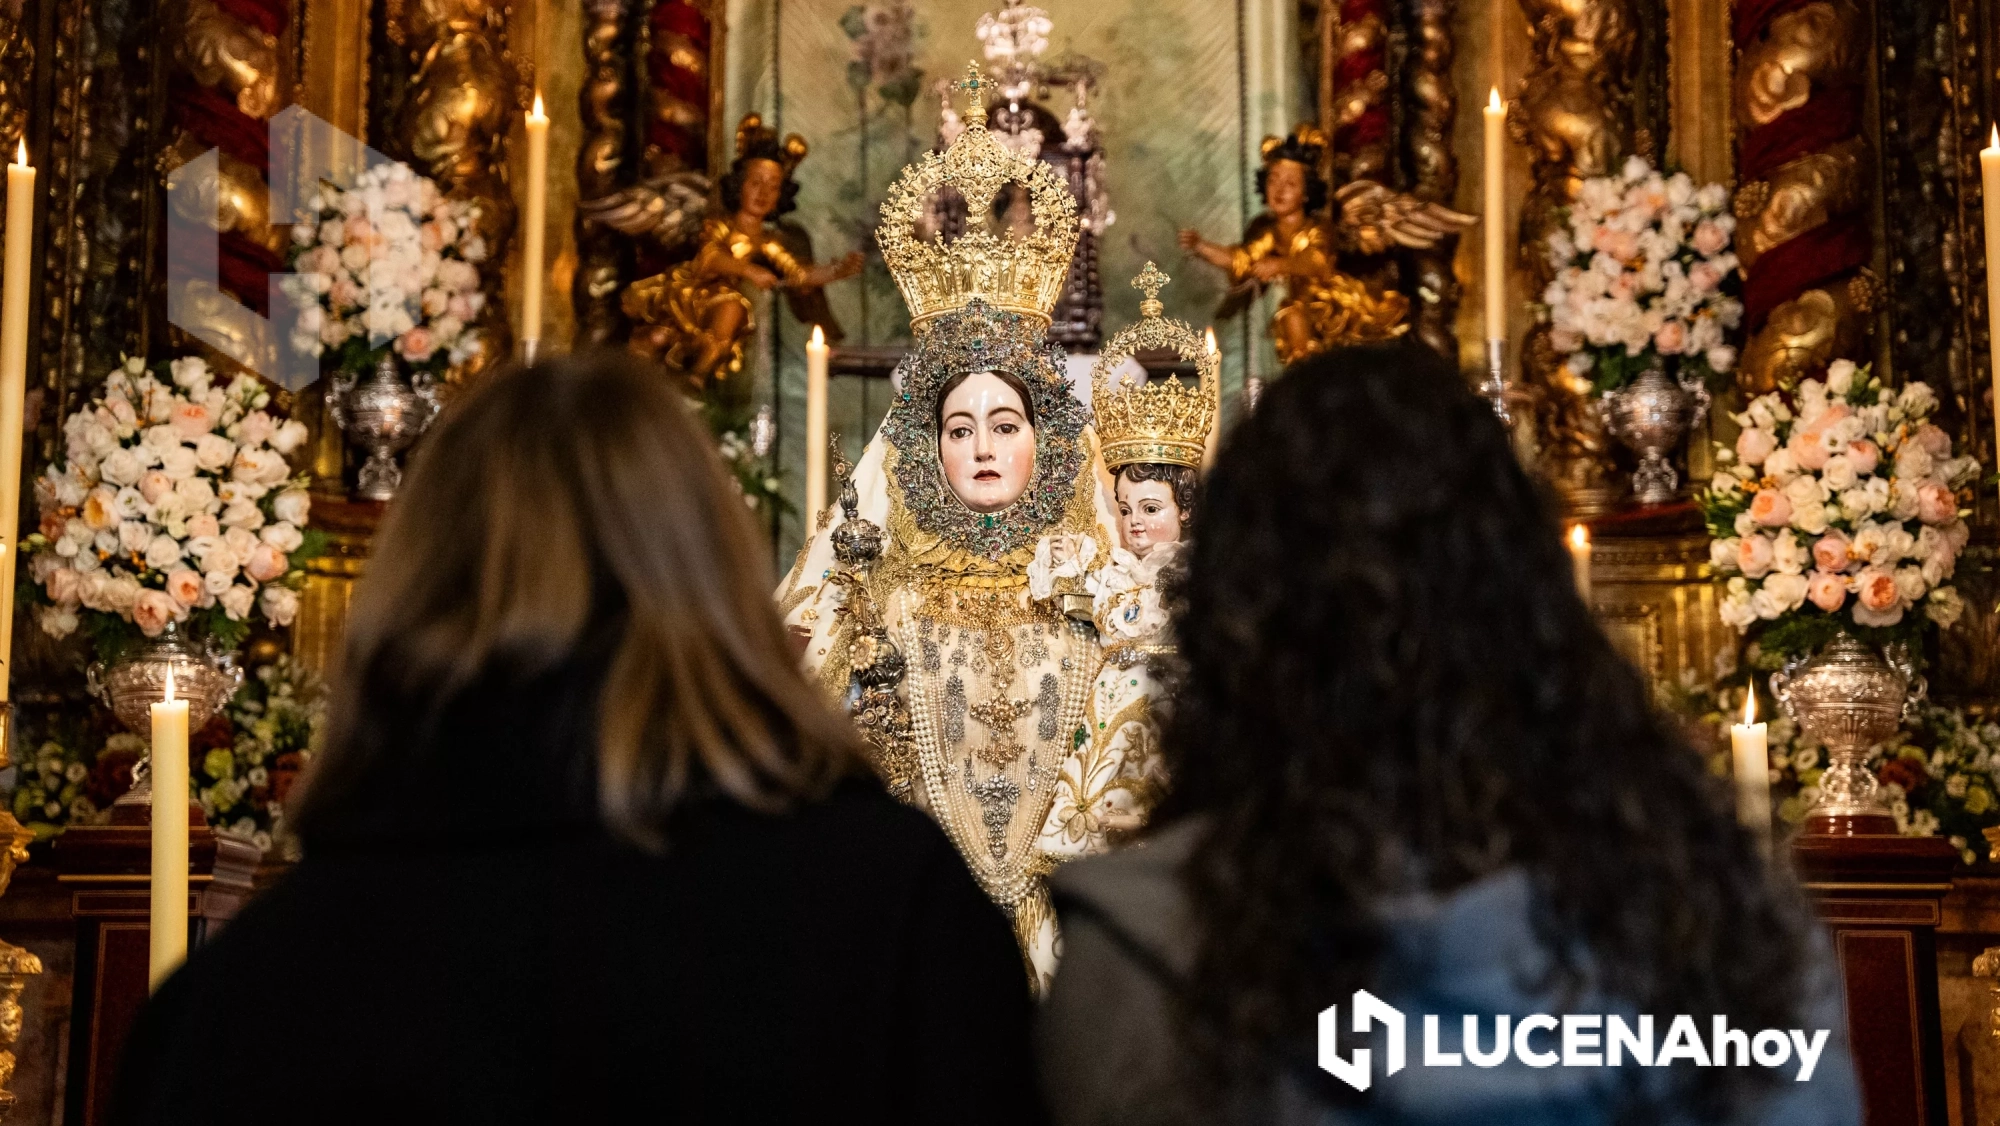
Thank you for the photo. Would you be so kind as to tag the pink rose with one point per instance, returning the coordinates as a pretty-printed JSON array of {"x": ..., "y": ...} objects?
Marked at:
[
  {"x": 344, "y": 294},
  {"x": 1877, "y": 588},
  {"x": 257, "y": 428},
  {"x": 1709, "y": 238},
  {"x": 152, "y": 610},
  {"x": 437, "y": 302},
  {"x": 191, "y": 420},
  {"x": 1864, "y": 456},
  {"x": 430, "y": 236},
  {"x": 1754, "y": 445},
  {"x": 360, "y": 231},
  {"x": 266, "y": 563},
  {"x": 154, "y": 485},
  {"x": 185, "y": 587},
  {"x": 1753, "y": 556},
  {"x": 1622, "y": 245},
  {"x": 1935, "y": 504},
  {"x": 417, "y": 345},
  {"x": 1808, "y": 445},
  {"x": 1771, "y": 508},
  {"x": 1671, "y": 338},
  {"x": 1830, "y": 552},
  {"x": 460, "y": 307},
  {"x": 62, "y": 585},
  {"x": 203, "y": 524},
  {"x": 1935, "y": 442},
  {"x": 1827, "y": 591},
  {"x": 1704, "y": 277}
]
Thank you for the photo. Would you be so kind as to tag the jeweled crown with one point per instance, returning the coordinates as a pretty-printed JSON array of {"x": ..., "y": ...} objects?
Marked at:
[
  {"x": 1020, "y": 275},
  {"x": 1164, "y": 422}
]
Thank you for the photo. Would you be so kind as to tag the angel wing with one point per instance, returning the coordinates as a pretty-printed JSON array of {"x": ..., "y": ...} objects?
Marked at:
[
  {"x": 1374, "y": 218},
  {"x": 667, "y": 209},
  {"x": 808, "y": 305}
]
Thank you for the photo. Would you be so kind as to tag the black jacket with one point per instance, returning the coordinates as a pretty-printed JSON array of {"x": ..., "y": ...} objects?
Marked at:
[{"x": 836, "y": 964}]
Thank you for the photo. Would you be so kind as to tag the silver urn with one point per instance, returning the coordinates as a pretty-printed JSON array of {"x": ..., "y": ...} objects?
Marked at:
[
  {"x": 132, "y": 683},
  {"x": 1850, "y": 698},
  {"x": 382, "y": 412},
  {"x": 1651, "y": 415}
]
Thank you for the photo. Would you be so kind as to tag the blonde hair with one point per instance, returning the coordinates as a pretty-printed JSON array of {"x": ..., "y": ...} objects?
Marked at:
[{"x": 551, "y": 505}]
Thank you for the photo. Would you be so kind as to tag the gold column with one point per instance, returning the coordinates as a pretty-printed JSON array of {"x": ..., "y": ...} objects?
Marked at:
[
  {"x": 1574, "y": 112},
  {"x": 601, "y": 256},
  {"x": 1432, "y": 110}
]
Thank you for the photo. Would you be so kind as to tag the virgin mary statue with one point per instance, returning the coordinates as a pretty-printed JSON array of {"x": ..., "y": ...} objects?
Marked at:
[{"x": 934, "y": 606}]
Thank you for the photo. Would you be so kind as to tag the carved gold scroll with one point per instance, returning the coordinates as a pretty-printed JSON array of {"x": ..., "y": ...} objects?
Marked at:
[{"x": 1429, "y": 116}]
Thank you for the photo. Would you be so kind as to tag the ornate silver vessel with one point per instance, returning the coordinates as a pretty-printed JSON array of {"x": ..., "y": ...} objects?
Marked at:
[
  {"x": 136, "y": 681},
  {"x": 1848, "y": 697},
  {"x": 382, "y": 413},
  {"x": 1650, "y": 415}
]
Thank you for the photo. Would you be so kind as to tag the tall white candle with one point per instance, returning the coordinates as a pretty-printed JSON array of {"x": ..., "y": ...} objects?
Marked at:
[
  {"x": 817, "y": 355},
  {"x": 1215, "y": 404},
  {"x": 13, "y": 387},
  {"x": 533, "y": 221},
  {"x": 1989, "y": 171},
  {"x": 1579, "y": 560},
  {"x": 169, "y": 923},
  {"x": 1749, "y": 743},
  {"x": 1496, "y": 219}
]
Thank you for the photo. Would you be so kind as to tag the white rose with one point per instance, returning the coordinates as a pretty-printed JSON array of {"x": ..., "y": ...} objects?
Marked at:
[
  {"x": 178, "y": 463},
  {"x": 128, "y": 503},
  {"x": 120, "y": 467},
  {"x": 1782, "y": 466},
  {"x": 1788, "y": 555},
  {"x": 213, "y": 451},
  {"x": 121, "y": 593},
  {"x": 134, "y": 537},
  {"x": 196, "y": 491},
  {"x": 284, "y": 537},
  {"x": 1786, "y": 591},
  {"x": 1944, "y": 607},
  {"x": 288, "y": 436},
  {"x": 1840, "y": 376},
  {"x": 280, "y": 605},
  {"x": 1767, "y": 604},
  {"x": 236, "y": 601},
  {"x": 241, "y": 541},
  {"x": 99, "y": 440},
  {"x": 292, "y": 506},
  {"x": 188, "y": 370},
  {"x": 1856, "y": 505},
  {"x": 217, "y": 582},
  {"x": 163, "y": 552},
  {"x": 1910, "y": 583},
  {"x": 1838, "y": 473},
  {"x": 1735, "y": 611},
  {"x": 1812, "y": 519},
  {"x": 1722, "y": 553},
  {"x": 242, "y": 513},
  {"x": 161, "y": 438},
  {"x": 261, "y": 466}
]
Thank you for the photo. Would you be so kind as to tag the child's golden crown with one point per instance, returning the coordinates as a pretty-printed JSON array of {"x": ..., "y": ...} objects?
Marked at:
[{"x": 1165, "y": 422}]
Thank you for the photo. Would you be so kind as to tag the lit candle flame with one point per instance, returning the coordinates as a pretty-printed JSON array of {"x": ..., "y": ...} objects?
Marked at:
[
  {"x": 819, "y": 338},
  {"x": 1493, "y": 98},
  {"x": 1579, "y": 536},
  {"x": 170, "y": 686},
  {"x": 21, "y": 153},
  {"x": 1749, "y": 708},
  {"x": 1990, "y": 145},
  {"x": 1208, "y": 339},
  {"x": 537, "y": 111}
]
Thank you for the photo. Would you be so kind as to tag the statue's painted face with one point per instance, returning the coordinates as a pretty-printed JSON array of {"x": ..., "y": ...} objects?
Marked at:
[
  {"x": 1147, "y": 515},
  {"x": 1285, "y": 187},
  {"x": 986, "y": 443},
  {"x": 763, "y": 185}
]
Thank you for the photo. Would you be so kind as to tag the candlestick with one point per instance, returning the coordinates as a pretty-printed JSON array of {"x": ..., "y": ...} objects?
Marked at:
[
  {"x": 533, "y": 221},
  {"x": 1989, "y": 170},
  {"x": 1579, "y": 560},
  {"x": 1496, "y": 221},
  {"x": 1750, "y": 743},
  {"x": 816, "y": 360},
  {"x": 13, "y": 389},
  {"x": 169, "y": 772}
]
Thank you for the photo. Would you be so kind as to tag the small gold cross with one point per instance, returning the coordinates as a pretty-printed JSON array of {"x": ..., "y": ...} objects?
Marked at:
[{"x": 1149, "y": 282}]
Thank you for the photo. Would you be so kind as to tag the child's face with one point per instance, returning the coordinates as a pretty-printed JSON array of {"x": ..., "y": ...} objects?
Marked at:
[{"x": 1147, "y": 515}]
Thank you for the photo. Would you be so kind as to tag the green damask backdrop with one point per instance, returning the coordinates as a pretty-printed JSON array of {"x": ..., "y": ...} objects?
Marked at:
[{"x": 1189, "y": 88}]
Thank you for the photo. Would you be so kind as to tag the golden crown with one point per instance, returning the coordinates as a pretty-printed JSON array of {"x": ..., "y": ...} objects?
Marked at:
[
  {"x": 1020, "y": 275},
  {"x": 1167, "y": 421}
]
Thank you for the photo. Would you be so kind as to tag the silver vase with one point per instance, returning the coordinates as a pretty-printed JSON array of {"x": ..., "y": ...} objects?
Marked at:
[
  {"x": 1650, "y": 415},
  {"x": 1850, "y": 698},
  {"x": 134, "y": 682},
  {"x": 382, "y": 412}
]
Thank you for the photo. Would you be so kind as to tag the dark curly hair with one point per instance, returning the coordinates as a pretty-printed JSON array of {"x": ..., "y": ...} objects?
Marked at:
[
  {"x": 1184, "y": 482},
  {"x": 1387, "y": 671},
  {"x": 732, "y": 184},
  {"x": 1306, "y": 156}
]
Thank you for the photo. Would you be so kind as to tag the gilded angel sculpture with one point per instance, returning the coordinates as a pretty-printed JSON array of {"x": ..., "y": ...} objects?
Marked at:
[
  {"x": 696, "y": 316},
  {"x": 1324, "y": 306}
]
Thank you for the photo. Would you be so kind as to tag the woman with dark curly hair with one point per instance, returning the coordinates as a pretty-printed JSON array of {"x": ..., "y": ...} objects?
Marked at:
[{"x": 1406, "y": 760}]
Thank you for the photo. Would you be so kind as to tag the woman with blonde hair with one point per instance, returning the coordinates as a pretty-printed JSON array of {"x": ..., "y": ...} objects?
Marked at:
[{"x": 582, "y": 839}]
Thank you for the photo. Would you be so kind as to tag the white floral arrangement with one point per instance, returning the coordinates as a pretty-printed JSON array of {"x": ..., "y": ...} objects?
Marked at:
[
  {"x": 172, "y": 501},
  {"x": 388, "y": 263},
  {"x": 1838, "y": 508},
  {"x": 1643, "y": 268}
]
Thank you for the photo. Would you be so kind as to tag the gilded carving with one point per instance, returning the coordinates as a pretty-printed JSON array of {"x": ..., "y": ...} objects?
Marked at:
[
  {"x": 224, "y": 52},
  {"x": 236, "y": 197},
  {"x": 1799, "y": 196},
  {"x": 1574, "y": 112},
  {"x": 1776, "y": 71},
  {"x": 1360, "y": 48},
  {"x": 602, "y": 259},
  {"x": 455, "y": 123},
  {"x": 1427, "y": 142}
]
